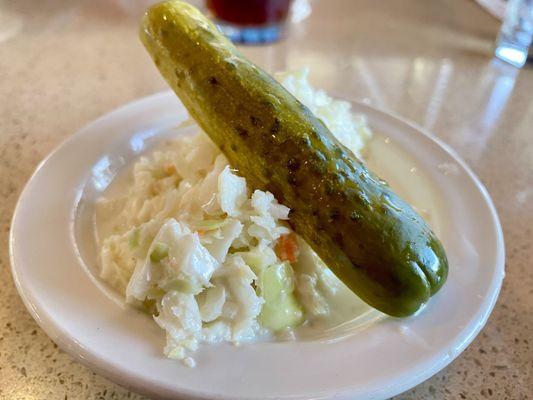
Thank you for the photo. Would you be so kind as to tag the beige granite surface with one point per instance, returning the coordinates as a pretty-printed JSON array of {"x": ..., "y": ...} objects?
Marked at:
[{"x": 65, "y": 62}]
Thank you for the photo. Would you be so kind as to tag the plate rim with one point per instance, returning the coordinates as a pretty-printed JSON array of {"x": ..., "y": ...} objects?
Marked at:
[{"x": 107, "y": 369}]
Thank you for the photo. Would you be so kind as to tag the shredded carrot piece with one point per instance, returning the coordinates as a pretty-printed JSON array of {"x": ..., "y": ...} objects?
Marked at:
[
  {"x": 170, "y": 169},
  {"x": 287, "y": 248},
  {"x": 156, "y": 188}
]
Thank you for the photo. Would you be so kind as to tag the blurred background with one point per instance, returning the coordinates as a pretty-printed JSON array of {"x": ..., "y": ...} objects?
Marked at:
[{"x": 408, "y": 56}]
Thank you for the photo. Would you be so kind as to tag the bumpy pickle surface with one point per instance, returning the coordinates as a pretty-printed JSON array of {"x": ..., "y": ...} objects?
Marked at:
[{"x": 367, "y": 235}]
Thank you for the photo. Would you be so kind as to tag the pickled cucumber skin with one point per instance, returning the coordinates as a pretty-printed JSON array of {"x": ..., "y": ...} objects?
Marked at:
[{"x": 369, "y": 237}]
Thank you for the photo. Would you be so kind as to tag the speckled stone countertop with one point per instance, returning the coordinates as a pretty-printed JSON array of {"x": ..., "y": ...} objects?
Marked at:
[{"x": 63, "y": 63}]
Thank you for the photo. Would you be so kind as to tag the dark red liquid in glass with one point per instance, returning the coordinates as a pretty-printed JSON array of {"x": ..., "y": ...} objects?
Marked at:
[{"x": 250, "y": 12}]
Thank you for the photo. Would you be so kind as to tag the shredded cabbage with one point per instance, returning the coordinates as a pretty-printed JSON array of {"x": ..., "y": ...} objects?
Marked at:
[{"x": 194, "y": 246}]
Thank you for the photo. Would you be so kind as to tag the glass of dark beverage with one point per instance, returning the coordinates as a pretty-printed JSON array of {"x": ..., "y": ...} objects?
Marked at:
[{"x": 251, "y": 21}]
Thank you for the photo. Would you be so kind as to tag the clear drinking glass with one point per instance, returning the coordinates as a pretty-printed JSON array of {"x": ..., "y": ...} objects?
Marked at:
[
  {"x": 250, "y": 21},
  {"x": 516, "y": 33}
]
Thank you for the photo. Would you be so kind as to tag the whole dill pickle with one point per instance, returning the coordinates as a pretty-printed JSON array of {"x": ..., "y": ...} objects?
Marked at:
[{"x": 367, "y": 235}]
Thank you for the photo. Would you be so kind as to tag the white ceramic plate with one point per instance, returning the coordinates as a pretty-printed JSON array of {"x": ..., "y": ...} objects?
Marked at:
[{"x": 53, "y": 264}]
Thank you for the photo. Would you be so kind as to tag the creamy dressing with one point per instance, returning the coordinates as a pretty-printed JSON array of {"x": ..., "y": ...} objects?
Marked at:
[
  {"x": 347, "y": 313},
  {"x": 107, "y": 211},
  {"x": 404, "y": 174},
  {"x": 110, "y": 203}
]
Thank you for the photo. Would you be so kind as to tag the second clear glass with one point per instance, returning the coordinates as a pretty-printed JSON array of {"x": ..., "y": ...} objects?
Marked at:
[{"x": 516, "y": 34}]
